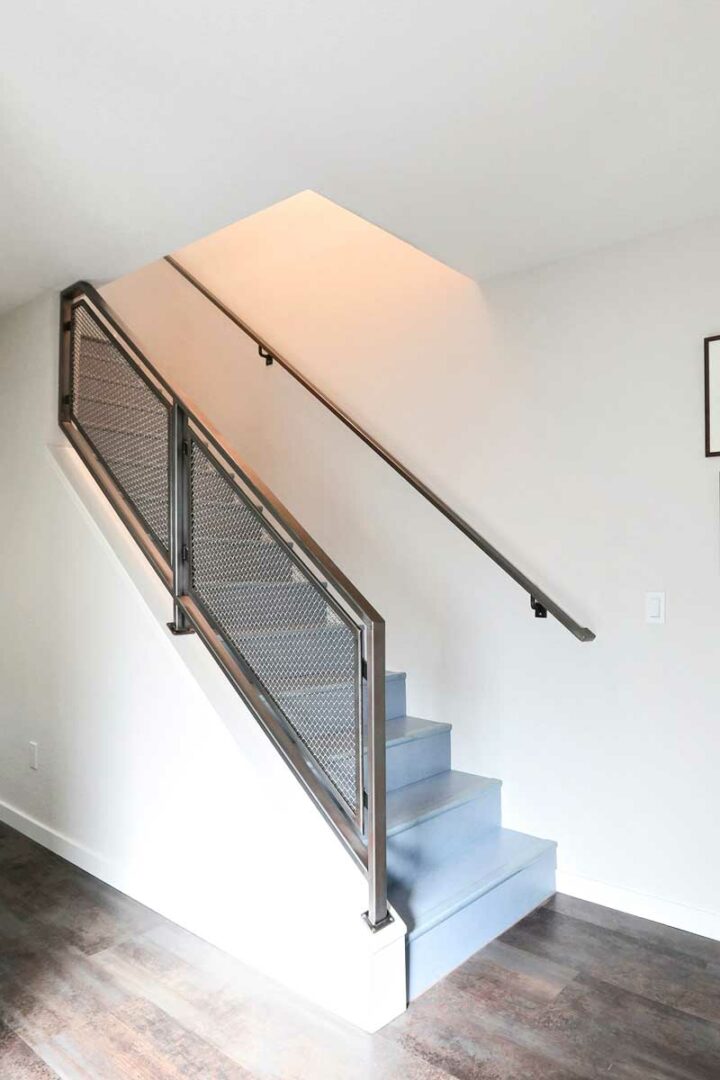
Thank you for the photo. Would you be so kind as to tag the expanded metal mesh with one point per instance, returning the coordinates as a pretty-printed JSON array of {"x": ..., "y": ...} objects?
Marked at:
[
  {"x": 124, "y": 419},
  {"x": 278, "y": 619}
]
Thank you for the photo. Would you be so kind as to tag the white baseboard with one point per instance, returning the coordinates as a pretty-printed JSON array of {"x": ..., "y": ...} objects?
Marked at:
[
  {"x": 65, "y": 846},
  {"x": 669, "y": 912}
]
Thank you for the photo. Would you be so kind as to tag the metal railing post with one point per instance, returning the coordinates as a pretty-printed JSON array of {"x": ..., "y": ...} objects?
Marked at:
[
  {"x": 179, "y": 515},
  {"x": 377, "y": 914},
  {"x": 65, "y": 386}
]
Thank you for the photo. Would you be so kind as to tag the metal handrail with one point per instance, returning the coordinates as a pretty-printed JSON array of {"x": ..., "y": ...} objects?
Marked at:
[
  {"x": 541, "y": 603},
  {"x": 368, "y": 851}
]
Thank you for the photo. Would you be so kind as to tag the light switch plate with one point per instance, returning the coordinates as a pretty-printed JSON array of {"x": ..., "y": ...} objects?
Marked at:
[{"x": 655, "y": 607}]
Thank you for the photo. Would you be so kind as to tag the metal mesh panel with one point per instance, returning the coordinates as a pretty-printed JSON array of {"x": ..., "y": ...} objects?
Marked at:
[
  {"x": 124, "y": 419},
  {"x": 279, "y": 621}
]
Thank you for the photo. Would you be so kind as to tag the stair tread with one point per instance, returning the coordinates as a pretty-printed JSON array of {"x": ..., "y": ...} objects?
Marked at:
[
  {"x": 289, "y": 633},
  {"x": 243, "y": 585},
  {"x": 309, "y": 684},
  {"x": 408, "y": 806},
  {"x": 407, "y": 728},
  {"x": 447, "y": 883},
  {"x": 108, "y": 429},
  {"x": 418, "y": 729}
]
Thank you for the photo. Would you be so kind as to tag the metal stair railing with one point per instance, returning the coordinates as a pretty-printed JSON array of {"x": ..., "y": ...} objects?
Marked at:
[{"x": 301, "y": 645}]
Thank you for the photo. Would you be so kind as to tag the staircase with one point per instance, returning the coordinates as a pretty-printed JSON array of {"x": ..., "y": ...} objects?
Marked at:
[
  {"x": 455, "y": 876},
  {"x": 305, "y": 650}
]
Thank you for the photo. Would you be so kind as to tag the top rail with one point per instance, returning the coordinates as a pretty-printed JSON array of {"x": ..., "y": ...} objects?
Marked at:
[{"x": 540, "y": 601}]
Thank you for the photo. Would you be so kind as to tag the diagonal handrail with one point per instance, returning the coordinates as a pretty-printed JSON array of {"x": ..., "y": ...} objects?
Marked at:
[{"x": 541, "y": 603}]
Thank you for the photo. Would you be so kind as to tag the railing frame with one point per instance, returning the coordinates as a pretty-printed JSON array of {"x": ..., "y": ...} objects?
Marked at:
[
  {"x": 366, "y": 842},
  {"x": 180, "y": 523}
]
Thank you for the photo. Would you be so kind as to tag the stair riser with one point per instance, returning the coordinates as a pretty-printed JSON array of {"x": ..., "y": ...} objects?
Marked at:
[
  {"x": 441, "y": 949},
  {"x": 452, "y": 830},
  {"x": 395, "y": 696},
  {"x": 417, "y": 759},
  {"x": 334, "y": 702}
]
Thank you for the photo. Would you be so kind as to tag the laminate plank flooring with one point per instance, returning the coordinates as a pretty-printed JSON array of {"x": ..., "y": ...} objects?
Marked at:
[{"x": 94, "y": 986}]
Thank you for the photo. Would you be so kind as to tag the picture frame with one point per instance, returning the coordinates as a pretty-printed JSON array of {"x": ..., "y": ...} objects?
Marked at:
[{"x": 712, "y": 396}]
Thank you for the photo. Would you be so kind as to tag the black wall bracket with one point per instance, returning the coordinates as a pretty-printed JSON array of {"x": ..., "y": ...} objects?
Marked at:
[
  {"x": 539, "y": 609},
  {"x": 267, "y": 356}
]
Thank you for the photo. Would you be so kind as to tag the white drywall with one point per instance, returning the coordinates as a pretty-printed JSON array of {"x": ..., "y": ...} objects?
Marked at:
[
  {"x": 153, "y": 775},
  {"x": 562, "y": 412}
]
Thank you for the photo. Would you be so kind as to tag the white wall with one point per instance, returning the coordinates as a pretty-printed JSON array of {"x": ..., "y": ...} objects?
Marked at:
[
  {"x": 153, "y": 775},
  {"x": 561, "y": 412}
]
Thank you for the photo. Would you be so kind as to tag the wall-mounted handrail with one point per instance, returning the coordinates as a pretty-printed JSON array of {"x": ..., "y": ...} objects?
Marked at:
[
  {"x": 541, "y": 603},
  {"x": 186, "y": 422}
]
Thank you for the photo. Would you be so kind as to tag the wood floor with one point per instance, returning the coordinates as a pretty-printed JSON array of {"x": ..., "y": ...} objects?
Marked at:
[{"x": 93, "y": 985}]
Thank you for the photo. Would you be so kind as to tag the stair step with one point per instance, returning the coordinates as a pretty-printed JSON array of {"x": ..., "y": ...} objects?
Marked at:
[
  {"x": 100, "y": 359},
  {"x": 290, "y": 654},
  {"x": 124, "y": 435},
  {"x": 139, "y": 473},
  {"x": 217, "y": 529},
  {"x": 455, "y": 904},
  {"x": 249, "y": 557},
  {"x": 125, "y": 393},
  {"x": 444, "y": 885},
  {"x": 244, "y": 606},
  {"x": 304, "y": 698},
  {"x": 416, "y": 749},
  {"x": 144, "y": 482},
  {"x": 150, "y": 423},
  {"x": 395, "y": 695},
  {"x": 415, "y": 804}
]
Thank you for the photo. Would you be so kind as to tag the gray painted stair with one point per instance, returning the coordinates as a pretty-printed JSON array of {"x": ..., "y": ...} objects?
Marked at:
[{"x": 456, "y": 876}]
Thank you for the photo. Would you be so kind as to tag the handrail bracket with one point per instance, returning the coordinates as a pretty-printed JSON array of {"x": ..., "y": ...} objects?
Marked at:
[{"x": 539, "y": 609}]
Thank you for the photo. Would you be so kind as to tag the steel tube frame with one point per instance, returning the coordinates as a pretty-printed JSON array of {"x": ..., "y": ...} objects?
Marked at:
[
  {"x": 377, "y": 914},
  {"x": 179, "y": 517},
  {"x": 369, "y": 850}
]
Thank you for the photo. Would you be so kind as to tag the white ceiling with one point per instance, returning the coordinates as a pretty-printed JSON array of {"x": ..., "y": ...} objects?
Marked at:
[{"x": 495, "y": 135}]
